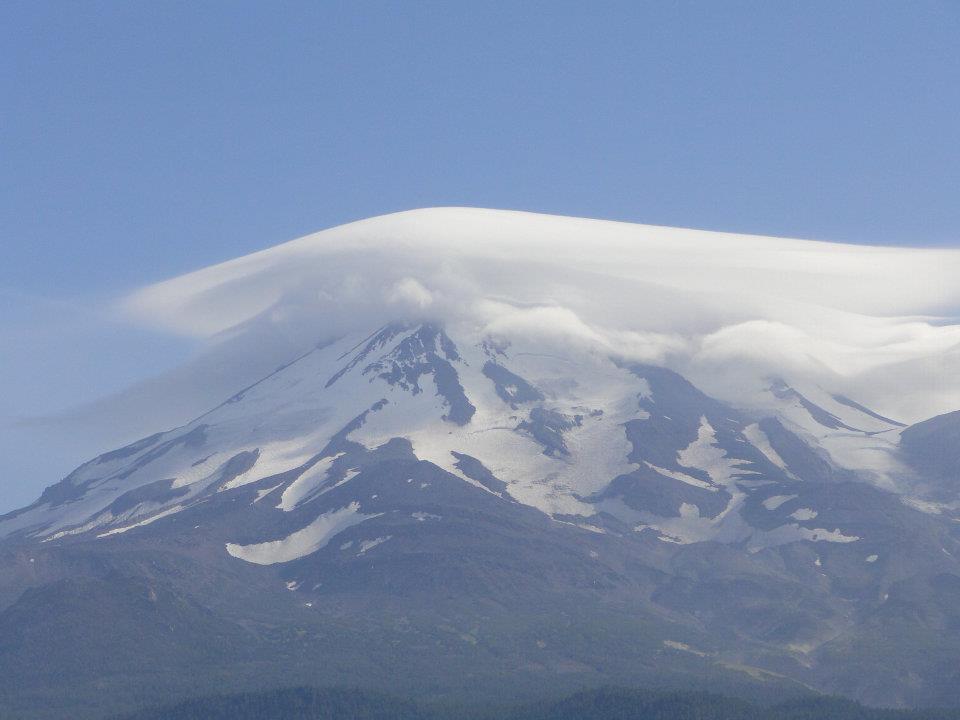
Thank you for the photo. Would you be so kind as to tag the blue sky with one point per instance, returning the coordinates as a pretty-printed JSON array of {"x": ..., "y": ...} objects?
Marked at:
[{"x": 140, "y": 140}]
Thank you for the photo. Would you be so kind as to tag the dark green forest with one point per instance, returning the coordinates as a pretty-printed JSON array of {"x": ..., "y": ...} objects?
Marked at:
[{"x": 600, "y": 704}]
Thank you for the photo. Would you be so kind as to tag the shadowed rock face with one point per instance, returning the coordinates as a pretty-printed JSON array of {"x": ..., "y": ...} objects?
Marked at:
[
  {"x": 933, "y": 446},
  {"x": 511, "y": 388},
  {"x": 647, "y": 489},
  {"x": 427, "y": 351},
  {"x": 157, "y": 492},
  {"x": 801, "y": 458},
  {"x": 475, "y": 470},
  {"x": 412, "y": 504},
  {"x": 548, "y": 427}
]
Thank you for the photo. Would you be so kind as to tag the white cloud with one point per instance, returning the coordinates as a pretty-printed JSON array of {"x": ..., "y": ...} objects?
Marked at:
[
  {"x": 724, "y": 308},
  {"x": 410, "y": 293}
]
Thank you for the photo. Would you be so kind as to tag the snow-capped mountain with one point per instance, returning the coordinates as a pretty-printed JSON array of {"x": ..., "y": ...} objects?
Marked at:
[
  {"x": 587, "y": 440},
  {"x": 498, "y": 494}
]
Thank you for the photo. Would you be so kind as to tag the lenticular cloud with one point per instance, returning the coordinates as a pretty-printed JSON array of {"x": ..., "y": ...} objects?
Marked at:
[{"x": 727, "y": 310}]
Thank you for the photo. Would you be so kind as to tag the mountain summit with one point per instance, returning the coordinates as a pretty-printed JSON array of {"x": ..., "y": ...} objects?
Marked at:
[{"x": 536, "y": 454}]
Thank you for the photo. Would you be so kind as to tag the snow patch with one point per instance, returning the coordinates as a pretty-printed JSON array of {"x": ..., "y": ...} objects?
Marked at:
[
  {"x": 303, "y": 542},
  {"x": 683, "y": 477},
  {"x": 821, "y": 535},
  {"x": 261, "y": 494},
  {"x": 367, "y": 545},
  {"x": 165, "y": 513},
  {"x": 423, "y": 516},
  {"x": 704, "y": 454},
  {"x": 683, "y": 647},
  {"x": 306, "y": 483},
  {"x": 758, "y": 438},
  {"x": 772, "y": 503}
]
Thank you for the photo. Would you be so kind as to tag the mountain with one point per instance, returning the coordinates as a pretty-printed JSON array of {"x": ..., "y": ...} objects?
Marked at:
[
  {"x": 442, "y": 509},
  {"x": 932, "y": 447}
]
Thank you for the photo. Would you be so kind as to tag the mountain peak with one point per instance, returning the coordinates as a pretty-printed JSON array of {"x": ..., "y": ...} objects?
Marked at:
[{"x": 516, "y": 417}]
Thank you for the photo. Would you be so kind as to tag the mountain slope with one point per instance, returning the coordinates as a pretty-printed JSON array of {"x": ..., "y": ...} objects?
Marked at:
[
  {"x": 600, "y": 704},
  {"x": 455, "y": 508},
  {"x": 482, "y": 494}
]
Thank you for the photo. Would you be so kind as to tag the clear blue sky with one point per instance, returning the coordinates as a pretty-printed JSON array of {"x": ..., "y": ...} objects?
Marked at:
[{"x": 143, "y": 139}]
